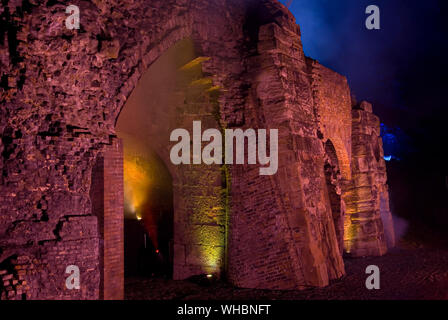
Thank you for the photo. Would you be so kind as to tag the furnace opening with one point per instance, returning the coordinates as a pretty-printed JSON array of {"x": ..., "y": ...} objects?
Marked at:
[
  {"x": 148, "y": 214},
  {"x": 144, "y": 125}
]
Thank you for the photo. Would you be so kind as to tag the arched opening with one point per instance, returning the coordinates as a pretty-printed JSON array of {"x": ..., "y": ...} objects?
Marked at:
[
  {"x": 174, "y": 214},
  {"x": 148, "y": 212},
  {"x": 333, "y": 182},
  {"x": 144, "y": 126}
]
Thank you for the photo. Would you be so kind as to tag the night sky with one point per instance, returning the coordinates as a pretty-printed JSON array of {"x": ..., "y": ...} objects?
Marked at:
[
  {"x": 398, "y": 68},
  {"x": 403, "y": 70}
]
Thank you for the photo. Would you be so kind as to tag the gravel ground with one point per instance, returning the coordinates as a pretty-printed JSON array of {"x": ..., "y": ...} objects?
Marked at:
[{"x": 406, "y": 273}]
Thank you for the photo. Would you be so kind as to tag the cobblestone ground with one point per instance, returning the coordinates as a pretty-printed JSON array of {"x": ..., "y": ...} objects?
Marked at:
[{"x": 411, "y": 273}]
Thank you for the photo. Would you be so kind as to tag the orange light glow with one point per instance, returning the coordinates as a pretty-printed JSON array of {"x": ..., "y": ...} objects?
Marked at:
[
  {"x": 138, "y": 188},
  {"x": 137, "y": 183}
]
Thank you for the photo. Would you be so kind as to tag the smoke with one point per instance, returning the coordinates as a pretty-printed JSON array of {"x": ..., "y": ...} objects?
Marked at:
[{"x": 400, "y": 227}]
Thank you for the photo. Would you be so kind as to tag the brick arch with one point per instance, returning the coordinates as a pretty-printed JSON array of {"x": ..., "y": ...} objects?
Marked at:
[
  {"x": 70, "y": 94},
  {"x": 334, "y": 184},
  {"x": 342, "y": 156},
  {"x": 333, "y": 105},
  {"x": 137, "y": 60},
  {"x": 180, "y": 32},
  {"x": 65, "y": 90},
  {"x": 171, "y": 94},
  {"x": 141, "y": 84}
]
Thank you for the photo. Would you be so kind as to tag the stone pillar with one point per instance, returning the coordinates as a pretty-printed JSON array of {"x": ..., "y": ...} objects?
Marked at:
[
  {"x": 364, "y": 233},
  {"x": 281, "y": 231}
]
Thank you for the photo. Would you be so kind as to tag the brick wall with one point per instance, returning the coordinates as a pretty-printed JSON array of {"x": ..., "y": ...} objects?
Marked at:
[{"x": 59, "y": 107}]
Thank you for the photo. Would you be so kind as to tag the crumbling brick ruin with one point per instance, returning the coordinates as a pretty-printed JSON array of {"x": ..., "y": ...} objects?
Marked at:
[{"x": 66, "y": 93}]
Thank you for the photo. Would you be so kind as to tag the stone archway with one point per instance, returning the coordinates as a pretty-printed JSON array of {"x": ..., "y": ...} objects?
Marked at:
[
  {"x": 333, "y": 180},
  {"x": 171, "y": 94},
  {"x": 64, "y": 92}
]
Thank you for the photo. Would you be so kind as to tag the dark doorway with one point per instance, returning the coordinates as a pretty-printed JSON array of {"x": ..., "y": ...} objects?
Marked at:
[
  {"x": 333, "y": 181},
  {"x": 156, "y": 107},
  {"x": 149, "y": 214}
]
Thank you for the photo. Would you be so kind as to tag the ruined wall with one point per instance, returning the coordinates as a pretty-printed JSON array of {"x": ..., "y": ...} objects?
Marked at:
[
  {"x": 366, "y": 196},
  {"x": 357, "y": 171},
  {"x": 332, "y": 109},
  {"x": 61, "y": 93},
  {"x": 296, "y": 229},
  {"x": 332, "y": 101}
]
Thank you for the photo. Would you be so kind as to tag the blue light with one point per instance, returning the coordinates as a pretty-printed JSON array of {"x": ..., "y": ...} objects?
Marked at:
[{"x": 387, "y": 158}]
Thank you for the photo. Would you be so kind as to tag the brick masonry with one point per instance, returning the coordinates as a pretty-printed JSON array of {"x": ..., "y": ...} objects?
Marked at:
[
  {"x": 62, "y": 91},
  {"x": 106, "y": 193}
]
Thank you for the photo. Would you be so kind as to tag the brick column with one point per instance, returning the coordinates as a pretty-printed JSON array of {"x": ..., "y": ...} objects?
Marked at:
[{"x": 107, "y": 203}]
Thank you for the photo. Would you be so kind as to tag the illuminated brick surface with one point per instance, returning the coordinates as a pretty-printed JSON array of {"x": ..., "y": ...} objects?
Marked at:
[{"x": 61, "y": 185}]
